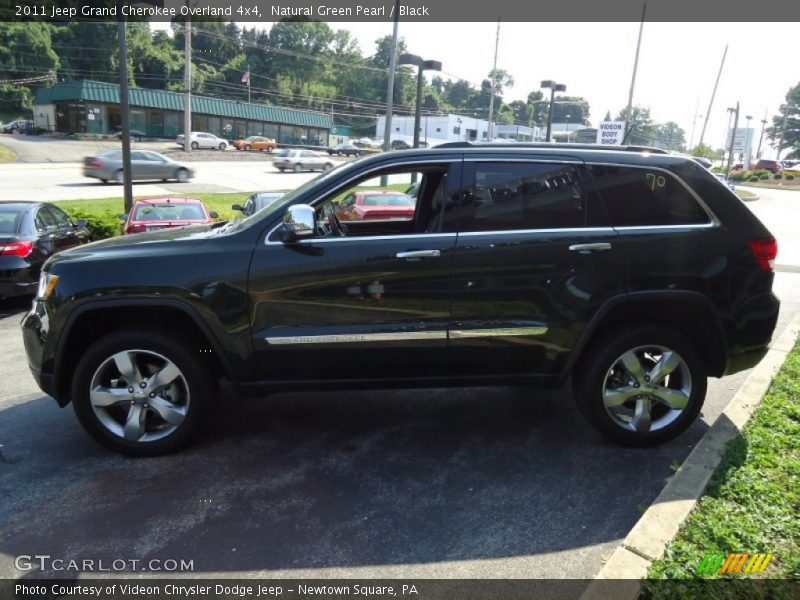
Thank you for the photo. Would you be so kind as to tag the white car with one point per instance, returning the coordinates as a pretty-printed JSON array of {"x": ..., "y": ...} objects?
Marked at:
[
  {"x": 203, "y": 140},
  {"x": 301, "y": 160}
]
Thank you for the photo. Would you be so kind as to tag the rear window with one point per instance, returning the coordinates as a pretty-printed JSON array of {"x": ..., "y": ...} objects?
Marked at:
[
  {"x": 8, "y": 221},
  {"x": 384, "y": 200},
  {"x": 641, "y": 197},
  {"x": 168, "y": 212}
]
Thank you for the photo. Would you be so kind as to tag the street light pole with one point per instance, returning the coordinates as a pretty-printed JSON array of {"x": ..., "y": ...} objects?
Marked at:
[
  {"x": 126, "y": 117},
  {"x": 554, "y": 87},
  {"x": 422, "y": 66},
  {"x": 783, "y": 129},
  {"x": 747, "y": 145},
  {"x": 387, "y": 128}
]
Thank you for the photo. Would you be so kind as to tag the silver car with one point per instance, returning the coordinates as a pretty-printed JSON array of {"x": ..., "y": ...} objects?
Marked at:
[
  {"x": 144, "y": 165},
  {"x": 200, "y": 139},
  {"x": 301, "y": 160}
]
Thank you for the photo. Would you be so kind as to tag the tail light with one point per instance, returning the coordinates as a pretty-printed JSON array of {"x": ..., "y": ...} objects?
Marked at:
[
  {"x": 96, "y": 164},
  {"x": 16, "y": 248},
  {"x": 765, "y": 252}
]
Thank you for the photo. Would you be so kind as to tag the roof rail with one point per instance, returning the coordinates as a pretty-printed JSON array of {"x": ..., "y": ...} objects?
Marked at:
[{"x": 555, "y": 146}]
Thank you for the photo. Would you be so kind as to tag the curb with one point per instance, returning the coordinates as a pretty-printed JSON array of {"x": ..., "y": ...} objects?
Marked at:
[{"x": 663, "y": 518}]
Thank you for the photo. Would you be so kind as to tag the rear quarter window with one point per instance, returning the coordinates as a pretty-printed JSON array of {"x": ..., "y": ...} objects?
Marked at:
[{"x": 638, "y": 197}]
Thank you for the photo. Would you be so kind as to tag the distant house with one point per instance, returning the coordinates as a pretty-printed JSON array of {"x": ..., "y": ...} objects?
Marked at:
[{"x": 87, "y": 106}]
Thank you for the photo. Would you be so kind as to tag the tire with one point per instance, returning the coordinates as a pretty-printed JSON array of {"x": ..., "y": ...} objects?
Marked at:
[
  {"x": 327, "y": 167},
  {"x": 182, "y": 175},
  {"x": 339, "y": 153},
  {"x": 297, "y": 168},
  {"x": 246, "y": 148},
  {"x": 270, "y": 149},
  {"x": 185, "y": 398},
  {"x": 281, "y": 170},
  {"x": 222, "y": 146},
  {"x": 104, "y": 180},
  {"x": 119, "y": 177},
  {"x": 195, "y": 146},
  {"x": 610, "y": 394}
]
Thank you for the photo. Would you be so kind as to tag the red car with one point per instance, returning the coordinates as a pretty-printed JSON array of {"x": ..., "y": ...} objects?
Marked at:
[
  {"x": 148, "y": 214},
  {"x": 773, "y": 166},
  {"x": 376, "y": 206}
]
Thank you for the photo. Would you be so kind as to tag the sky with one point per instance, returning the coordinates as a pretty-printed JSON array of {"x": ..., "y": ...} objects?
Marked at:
[{"x": 678, "y": 64}]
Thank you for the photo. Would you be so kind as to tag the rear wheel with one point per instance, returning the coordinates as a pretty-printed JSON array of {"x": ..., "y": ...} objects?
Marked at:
[
  {"x": 246, "y": 148},
  {"x": 641, "y": 387},
  {"x": 140, "y": 393},
  {"x": 298, "y": 167},
  {"x": 195, "y": 145}
]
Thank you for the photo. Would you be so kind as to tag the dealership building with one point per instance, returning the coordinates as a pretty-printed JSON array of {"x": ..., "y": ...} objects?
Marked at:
[{"x": 93, "y": 107}]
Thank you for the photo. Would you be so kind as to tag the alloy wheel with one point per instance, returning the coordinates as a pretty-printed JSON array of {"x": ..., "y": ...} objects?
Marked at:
[
  {"x": 647, "y": 388},
  {"x": 139, "y": 395}
]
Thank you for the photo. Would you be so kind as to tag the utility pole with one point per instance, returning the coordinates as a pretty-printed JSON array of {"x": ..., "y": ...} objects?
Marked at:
[
  {"x": 761, "y": 137},
  {"x": 694, "y": 123},
  {"x": 629, "y": 111},
  {"x": 387, "y": 128},
  {"x": 783, "y": 129},
  {"x": 187, "y": 81},
  {"x": 733, "y": 141},
  {"x": 494, "y": 80},
  {"x": 126, "y": 116},
  {"x": 713, "y": 94}
]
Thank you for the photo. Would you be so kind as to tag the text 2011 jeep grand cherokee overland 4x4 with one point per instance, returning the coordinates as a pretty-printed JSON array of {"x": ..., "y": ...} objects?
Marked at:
[{"x": 637, "y": 274}]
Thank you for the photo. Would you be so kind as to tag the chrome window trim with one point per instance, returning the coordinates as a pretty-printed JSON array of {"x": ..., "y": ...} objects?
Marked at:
[
  {"x": 535, "y": 231},
  {"x": 714, "y": 221}
]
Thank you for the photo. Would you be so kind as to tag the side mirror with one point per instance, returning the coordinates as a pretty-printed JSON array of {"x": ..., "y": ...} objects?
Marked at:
[
  {"x": 82, "y": 223},
  {"x": 124, "y": 217},
  {"x": 298, "y": 222},
  {"x": 237, "y": 207},
  {"x": 213, "y": 215}
]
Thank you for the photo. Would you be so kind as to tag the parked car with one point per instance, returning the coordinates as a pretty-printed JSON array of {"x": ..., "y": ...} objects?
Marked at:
[
  {"x": 203, "y": 140},
  {"x": 728, "y": 182},
  {"x": 150, "y": 214},
  {"x": 30, "y": 233},
  {"x": 258, "y": 201},
  {"x": 18, "y": 126},
  {"x": 634, "y": 274},
  {"x": 344, "y": 150},
  {"x": 366, "y": 142},
  {"x": 145, "y": 165},
  {"x": 136, "y": 135},
  {"x": 400, "y": 145},
  {"x": 301, "y": 160},
  {"x": 255, "y": 142},
  {"x": 376, "y": 206},
  {"x": 773, "y": 166}
]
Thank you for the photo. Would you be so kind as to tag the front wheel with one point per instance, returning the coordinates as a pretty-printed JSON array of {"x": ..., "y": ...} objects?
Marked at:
[
  {"x": 642, "y": 387},
  {"x": 140, "y": 393},
  {"x": 182, "y": 175},
  {"x": 327, "y": 167},
  {"x": 298, "y": 168},
  {"x": 195, "y": 145},
  {"x": 222, "y": 146},
  {"x": 119, "y": 178},
  {"x": 246, "y": 148}
]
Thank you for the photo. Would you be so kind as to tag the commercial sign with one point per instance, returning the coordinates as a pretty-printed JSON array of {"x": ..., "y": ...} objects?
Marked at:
[
  {"x": 743, "y": 140},
  {"x": 611, "y": 133}
]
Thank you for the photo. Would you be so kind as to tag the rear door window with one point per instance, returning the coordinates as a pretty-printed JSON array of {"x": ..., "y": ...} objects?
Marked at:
[
  {"x": 510, "y": 196},
  {"x": 641, "y": 197}
]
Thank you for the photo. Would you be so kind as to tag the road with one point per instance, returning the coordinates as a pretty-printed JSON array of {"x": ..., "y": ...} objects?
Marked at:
[{"x": 484, "y": 483}]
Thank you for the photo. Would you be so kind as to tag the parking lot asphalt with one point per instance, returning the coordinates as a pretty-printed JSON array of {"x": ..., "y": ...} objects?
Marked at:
[{"x": 479, "y": 482}]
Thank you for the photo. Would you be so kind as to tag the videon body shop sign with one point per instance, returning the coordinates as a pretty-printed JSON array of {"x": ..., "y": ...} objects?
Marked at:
[{"x": 611, "y": 133}]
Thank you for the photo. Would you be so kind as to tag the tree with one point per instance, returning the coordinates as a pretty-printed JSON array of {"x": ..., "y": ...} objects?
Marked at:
[
  {"x": 643, "y": 130},
  {"x": 787, "y": 122},
  {"x": 571, "y": 109},
  {"x": 25, "y": 53},
  {"x": 705, "y": 151},
  {"x": 671, "y": 136}
]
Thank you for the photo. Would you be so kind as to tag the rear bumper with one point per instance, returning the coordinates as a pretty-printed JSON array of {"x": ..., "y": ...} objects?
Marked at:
[
  {"x": 17, "y": 282},
  {"x": 750, "y": 341}
]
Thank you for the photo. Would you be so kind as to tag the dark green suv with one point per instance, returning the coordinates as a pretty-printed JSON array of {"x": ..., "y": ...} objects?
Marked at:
[{"x": 637, "y": 274}]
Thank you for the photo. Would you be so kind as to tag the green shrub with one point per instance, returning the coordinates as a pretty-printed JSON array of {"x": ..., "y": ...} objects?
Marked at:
[
  {"x": 738, "y": 175},
  {"x": 718, "y": 169},
  {"x": 764, "y": 176},
  {"x": 790, "y": 178},
  {"x": 753, "y": 178},
  {"x": 777, "y": 176},
  {"x": 101, "y": 225}
]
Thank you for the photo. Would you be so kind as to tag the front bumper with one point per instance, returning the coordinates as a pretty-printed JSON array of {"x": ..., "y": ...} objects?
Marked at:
[{"x": 35, "y": 326}]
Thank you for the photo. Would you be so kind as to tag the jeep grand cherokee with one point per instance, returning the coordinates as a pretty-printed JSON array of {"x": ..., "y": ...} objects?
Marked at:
[{"x": 637, "y": 274}]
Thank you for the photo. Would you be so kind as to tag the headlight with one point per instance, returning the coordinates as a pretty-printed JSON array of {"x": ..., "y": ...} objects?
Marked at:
[{"x": 47, "y": 285}]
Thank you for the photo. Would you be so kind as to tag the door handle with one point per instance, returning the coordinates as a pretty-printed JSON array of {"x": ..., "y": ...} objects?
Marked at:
[
  {"x": 589, "y": 248},
  {"x": 419, "y": 254}
]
